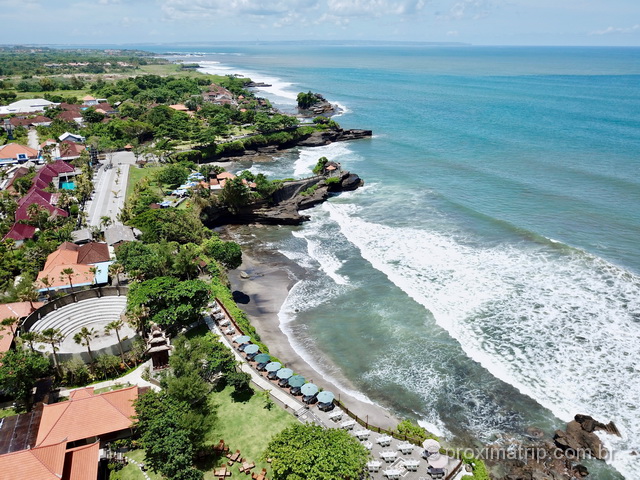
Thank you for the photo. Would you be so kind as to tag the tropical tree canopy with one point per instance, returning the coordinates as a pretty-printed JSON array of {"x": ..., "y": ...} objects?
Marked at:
[{"x": 310, "y": 452}]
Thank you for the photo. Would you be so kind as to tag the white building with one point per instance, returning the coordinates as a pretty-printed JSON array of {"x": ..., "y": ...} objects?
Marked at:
[{"x": 29, "y": 105}]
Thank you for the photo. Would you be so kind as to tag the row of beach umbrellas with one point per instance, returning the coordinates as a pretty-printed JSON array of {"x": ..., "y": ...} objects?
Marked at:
[{"x": 283, "y": 374}]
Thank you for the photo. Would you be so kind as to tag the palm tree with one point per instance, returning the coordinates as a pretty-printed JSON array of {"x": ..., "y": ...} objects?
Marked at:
[
  {"x": 29, "y": 295},
  {"x": 115, "y": 326},
  {"x": 84, "y": 337},
  {"x": 10, "y": 322},
  {"x": 30, "y": 338},
  {"x": 105, "y": 221},
  {"x": 47, "y": 282},
  {"x": 116, "y": 269},
  {"x": 32, "y": 211},
  {"x": 137, "y": 318},
  {"x": 53, "y": 337},
  {"x": 68, "y": 273}
]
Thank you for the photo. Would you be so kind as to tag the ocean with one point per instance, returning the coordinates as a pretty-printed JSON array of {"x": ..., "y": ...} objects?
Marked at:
[{"x": 486, "y": 280}]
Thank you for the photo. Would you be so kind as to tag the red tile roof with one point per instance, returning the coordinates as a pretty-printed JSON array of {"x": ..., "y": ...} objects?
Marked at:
[
  {"x": 20, "y": 231},
  {"x": 41, "y": 199},
  {"x": 11, "y": 150},
  {"x": 81, "y": 463},
  {"x": 84, "y": 416},
  {"x": 41, "y": 463},
  {"x": 93, "y": 252}
]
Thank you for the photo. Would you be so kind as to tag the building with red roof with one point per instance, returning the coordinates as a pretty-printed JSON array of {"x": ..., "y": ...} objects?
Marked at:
[
  {"x": 70, "y": 435},
  {"x": 19, "y": 310},
  {"x": 20, "y": 232},
  {"x": 14, "y": 153},
  {"x": 81, "y": 259}
]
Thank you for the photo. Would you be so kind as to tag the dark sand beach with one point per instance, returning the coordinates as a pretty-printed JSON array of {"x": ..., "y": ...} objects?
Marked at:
[{"x": 262, "y": 284}]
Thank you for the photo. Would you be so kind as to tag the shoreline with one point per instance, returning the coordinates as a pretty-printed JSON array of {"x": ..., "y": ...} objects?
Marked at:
[{"x": 264, "y": 280}]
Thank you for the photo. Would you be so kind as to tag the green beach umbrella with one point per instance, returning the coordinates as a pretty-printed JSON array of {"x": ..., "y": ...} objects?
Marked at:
[
  {"x": 242, "y": 339},
  {"x": 309, "y": 389},
  {"x": 284, "y": 373},
  {"x": 251, "y": 349},
  {"x": 274, "y": 366},
  {"x": 326, "y": 397},
  {"x": 296, "y": 381},
  {"x": 262, "y": 358}
]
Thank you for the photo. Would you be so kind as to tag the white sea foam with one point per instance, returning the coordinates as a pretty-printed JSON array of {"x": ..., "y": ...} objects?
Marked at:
[
  {"x": 336, "y": 152},
  {"x": 563, "y": 328},
  {"x": 279, "y": 88}
]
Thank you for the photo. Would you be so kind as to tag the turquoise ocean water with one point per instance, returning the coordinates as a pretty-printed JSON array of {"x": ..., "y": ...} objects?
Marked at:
[{"x": 487, "y": 277}]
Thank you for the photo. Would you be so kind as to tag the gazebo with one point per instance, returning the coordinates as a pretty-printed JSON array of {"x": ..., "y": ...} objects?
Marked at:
[{"x": 158, "y": 347}]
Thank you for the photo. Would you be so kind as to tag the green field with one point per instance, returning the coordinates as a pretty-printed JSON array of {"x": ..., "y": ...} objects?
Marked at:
[
  {"x": 245, "y": 425},
  {"x": 136, "y": 174}
]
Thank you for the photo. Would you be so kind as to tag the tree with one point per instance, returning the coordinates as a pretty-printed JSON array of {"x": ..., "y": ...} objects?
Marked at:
[
  {"x": 170, "y": 433},
  {"x": 105, "y": 221},
  {"x": 19, "y": 371},
  {"x": 116, "y": 269},
  {"x": 67, "y": 274},
  {"x": 235, "y": 194},
  {"x": 307, "y": 100},
  {"x": 108, "y": 364},
  {"x": 116, "y": 326},
  {"x": 310, "y": 452},
  {"x": 171, "y": 303},
  {"x": 53, "y": 337},
  {"x": 10, "y": 322},
  {"x": 29, "y": 295},
  {"x": 30, "y": 338},
  {"x": 186, "y": 261},
  {"x": 228, "y": 254},
  {"x": 84, "y": 337},
  {"x": 47, "y": 282}
]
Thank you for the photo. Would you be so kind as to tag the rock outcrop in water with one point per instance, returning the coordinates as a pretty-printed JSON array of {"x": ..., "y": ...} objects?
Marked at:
[
  {"x": 285, "y": 205},
  {"x": 559, "y": 459}
]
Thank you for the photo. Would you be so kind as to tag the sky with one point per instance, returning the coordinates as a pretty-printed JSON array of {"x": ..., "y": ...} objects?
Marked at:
[{"x": 478, "y": 22}]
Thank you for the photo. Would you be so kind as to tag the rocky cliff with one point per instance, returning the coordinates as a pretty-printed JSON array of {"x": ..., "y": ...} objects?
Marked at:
[{"x": 285, "y": 205}]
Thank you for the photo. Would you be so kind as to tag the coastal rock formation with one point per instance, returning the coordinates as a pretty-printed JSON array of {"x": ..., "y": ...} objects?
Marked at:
[
  {"x": 326, "y": 137},
  {"x": 286, "y": 204},
  {"x": 579, "y": 437}
]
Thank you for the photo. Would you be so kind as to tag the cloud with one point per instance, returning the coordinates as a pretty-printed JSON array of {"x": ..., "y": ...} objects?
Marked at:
[
  {"x": 474, "y": 9},
  {"x": 290, "y": 11},
  {"x": 617, "y": 30},
  {"x": 108, "y": 2}
]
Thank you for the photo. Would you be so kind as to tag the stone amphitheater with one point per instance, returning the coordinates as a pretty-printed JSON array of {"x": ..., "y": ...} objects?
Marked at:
[{"x": 93, "y": 313}]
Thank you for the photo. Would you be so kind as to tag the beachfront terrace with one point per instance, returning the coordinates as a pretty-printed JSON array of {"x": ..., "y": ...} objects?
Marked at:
[{"x": 392, "y": 456}]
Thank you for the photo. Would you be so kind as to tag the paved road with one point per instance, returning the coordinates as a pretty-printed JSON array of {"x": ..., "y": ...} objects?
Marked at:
[
  {"x": 32, "y": 137},
  {"x": 109, "y": 196}
]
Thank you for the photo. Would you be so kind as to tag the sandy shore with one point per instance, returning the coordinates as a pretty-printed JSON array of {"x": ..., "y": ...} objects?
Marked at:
[{"x": 263, "y": 282}]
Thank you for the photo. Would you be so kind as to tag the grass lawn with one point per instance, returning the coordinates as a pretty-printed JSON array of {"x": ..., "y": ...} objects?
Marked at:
[
  {"x": 8, "y": 412},
  {"x": 132, "y": 472},
  {"x": 136, "y": 174},
  {"x": 65, "y": 93},
  {"x": 117, "y": 386},
  {"x": 245, "y": 425}
]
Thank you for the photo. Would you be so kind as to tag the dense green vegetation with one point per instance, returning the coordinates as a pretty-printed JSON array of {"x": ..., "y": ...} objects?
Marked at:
[
  {"x": 310, "y": 452},
  {"x": 19, "y": 370},
  {"x": 308, "y": 100}
]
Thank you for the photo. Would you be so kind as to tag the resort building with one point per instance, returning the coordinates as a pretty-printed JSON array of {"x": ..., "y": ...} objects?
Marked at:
[
  {"x": 12, "y": 153},
  {"x": 74, "y": 265},
  {"x": 29, "y": 105},
  {"x": 70, "y": 436}
]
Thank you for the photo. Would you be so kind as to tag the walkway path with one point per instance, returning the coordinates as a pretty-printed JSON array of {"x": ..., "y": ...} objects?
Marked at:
[
  {"x": 32, "y": 138},
  {"x": 406, "y": 461},
  {"x": 131, "y": 378},
  {"x": 106, "y": 203}
]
